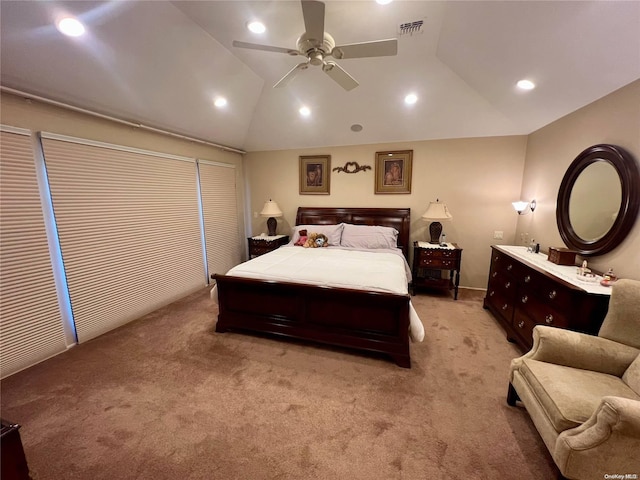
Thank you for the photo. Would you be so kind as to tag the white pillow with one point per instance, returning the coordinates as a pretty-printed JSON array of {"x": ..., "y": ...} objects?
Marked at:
[
  {"x": 366, "y": 236},
  {"x": 333, "y": 232}
]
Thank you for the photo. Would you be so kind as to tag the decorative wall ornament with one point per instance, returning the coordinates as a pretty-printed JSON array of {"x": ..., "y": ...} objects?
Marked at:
[{"x": 352, "y": 167}]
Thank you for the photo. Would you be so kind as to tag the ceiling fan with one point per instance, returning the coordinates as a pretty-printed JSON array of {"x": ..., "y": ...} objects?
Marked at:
[{"x": 316, "y": 45}]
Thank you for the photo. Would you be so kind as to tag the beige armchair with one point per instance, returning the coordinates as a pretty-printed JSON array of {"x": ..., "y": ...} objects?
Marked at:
[{"x": 583, "y": 392}]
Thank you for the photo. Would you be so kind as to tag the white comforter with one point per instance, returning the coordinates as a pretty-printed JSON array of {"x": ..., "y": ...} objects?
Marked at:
[{"x": 380, "y": 270}]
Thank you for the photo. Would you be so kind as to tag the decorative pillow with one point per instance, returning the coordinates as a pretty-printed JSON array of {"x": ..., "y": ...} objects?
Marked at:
[
  {"x": 366, "y": 236},
  {"x": 302, "y": 239},
  {"x": 333, "y": 232}
]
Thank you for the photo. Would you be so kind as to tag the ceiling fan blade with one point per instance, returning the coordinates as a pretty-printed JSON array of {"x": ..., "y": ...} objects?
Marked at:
[
  {"x": 339, "y": 75},
  {"x": 378, "y": 48},
  {"x": 313, "y": 13},
  {"x": 267, "y": 48},
  {"x": 284, "y": 81}
]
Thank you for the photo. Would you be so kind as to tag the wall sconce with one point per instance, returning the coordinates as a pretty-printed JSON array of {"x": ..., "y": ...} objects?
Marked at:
[
  {"x": 271, "y": 210},
  {"x": 436, "y": 211},
  {"x": 521, "y": 206}
]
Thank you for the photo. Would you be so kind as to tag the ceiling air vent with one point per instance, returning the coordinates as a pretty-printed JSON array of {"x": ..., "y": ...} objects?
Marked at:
[{"x": 410, "y": 28}]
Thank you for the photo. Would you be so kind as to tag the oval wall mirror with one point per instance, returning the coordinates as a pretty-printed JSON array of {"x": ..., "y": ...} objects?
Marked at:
[{"x": 598, "y": 200}]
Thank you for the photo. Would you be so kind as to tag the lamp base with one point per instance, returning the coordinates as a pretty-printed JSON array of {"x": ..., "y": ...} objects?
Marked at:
[
  {"x": 435, "y": 229},
  {"x": 272, "y": 223}
]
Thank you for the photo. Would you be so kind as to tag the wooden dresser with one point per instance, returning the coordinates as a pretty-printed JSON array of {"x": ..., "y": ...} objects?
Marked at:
[{"x": 525, "y": 290}]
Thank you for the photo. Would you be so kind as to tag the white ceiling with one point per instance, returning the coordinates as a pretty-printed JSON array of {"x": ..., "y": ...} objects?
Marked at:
[{"x": 160, "y": 64}]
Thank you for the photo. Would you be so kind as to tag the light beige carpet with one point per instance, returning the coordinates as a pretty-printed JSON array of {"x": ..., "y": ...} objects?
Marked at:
[{"x": 165, "y": 397}]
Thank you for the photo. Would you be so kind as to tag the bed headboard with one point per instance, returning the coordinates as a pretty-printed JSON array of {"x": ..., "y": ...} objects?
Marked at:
[{"x": 398, "y": 218}]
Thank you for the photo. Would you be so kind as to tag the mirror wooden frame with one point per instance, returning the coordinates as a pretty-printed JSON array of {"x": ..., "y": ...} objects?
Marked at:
[{"x": 629, "y": 174}]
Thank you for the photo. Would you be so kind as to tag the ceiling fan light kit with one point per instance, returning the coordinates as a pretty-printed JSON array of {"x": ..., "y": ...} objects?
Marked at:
[{"x": 316, "y": 45}]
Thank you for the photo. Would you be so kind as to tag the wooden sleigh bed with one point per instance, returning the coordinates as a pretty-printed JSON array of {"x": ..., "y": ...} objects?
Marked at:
[{"x": 359, "y": 319}]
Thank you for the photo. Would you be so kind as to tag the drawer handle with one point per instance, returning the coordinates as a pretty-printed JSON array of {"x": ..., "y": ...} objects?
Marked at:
[
  {"x": 496, "y": 258},
  {"x": 527, "y": 279},
  {"x": 552, "y": 294},
  {"x": 494, "y": 274},
  {"x": 548, "y": 318},
  {"x": 509, "y": 267},
  {"x": 492, "y": 293},
  {"x": 505, "y": 306},
  {"x": 521, "y": 324},
  {"x": 507, "y": 285},
  {"x": 525, "y": 299}
]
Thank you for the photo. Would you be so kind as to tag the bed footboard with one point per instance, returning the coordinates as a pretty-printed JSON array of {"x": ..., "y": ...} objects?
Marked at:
[{"x": 364, "y": 320}]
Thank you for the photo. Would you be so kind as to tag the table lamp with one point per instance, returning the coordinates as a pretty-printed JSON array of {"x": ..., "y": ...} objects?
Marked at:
[
  {"x": 436, "y": 211},
  {"x": 271, "y": 210}
]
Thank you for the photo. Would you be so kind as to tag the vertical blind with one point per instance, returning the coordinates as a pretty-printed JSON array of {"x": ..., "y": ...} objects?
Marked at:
[
  {"x": 129, "y": 229},
  {"x": 220, "y": 212},
  {"x": 31, "y": 326}
]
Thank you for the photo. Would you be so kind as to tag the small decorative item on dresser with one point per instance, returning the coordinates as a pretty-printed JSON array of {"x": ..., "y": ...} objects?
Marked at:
[
  {"x": 562, "y": 256},
  {"x": 608, "y": 278}
]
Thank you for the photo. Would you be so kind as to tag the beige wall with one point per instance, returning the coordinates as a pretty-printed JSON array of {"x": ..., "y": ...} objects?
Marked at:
[
  {"x": 477, "y": 178},
  {"x": 36, "y": 116},
  {"x": 614, "y": 119}
]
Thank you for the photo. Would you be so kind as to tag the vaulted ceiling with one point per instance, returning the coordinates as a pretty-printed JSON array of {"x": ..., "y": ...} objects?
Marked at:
[{"x": 161, "y": 64}]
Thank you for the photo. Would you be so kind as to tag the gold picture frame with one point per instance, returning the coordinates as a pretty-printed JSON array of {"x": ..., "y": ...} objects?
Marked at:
[
  {"x": 393, "y": 171},
  {"x": 315, "y": 174}
]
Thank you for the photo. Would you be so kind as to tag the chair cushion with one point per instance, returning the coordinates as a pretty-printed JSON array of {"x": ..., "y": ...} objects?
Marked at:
[
  {"x": 570, "y": 395},
  {"x": 622, "y": 323},
  {"x": 632, "y": 376}
]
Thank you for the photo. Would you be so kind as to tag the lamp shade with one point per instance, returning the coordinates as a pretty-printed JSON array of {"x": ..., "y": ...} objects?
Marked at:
[
  {"x": 437, "y": 211},
  {"x": 520, "y": 206},
  {"x": 271, "y": 209}
]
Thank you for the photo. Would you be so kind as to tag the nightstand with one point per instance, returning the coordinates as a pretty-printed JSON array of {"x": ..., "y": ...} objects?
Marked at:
[
  {"x": 260, "y": 245},
  {"x": 436, "y": 267}
]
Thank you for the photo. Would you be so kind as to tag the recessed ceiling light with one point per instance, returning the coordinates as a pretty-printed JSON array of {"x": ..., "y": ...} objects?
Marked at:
[
  {"x": 411, "y": 99},
  {"x": 526, "y": 85},
  {"x": 220, "y": 102},
  {"x": 356, "y": 127},
  {"x": 70, "y": 26},
  {"x": 304, "y": 111},
  {"x": 256, "y": 27},
  {"x": 383, "y": 2}
]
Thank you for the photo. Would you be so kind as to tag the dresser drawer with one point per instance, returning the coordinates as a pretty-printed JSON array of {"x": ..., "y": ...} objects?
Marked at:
[
  {"x": 502, "y": 304},
  {"x": 539, "y": 310},
  {"x": 547, "y": 290},
  {"x": 503, "y": 283},
  {"x": 523, "y": 326},
  {"x": 504, "y": 263},
  {"x": 430, "y": 262},
  {"x": 439, "y": 253}
]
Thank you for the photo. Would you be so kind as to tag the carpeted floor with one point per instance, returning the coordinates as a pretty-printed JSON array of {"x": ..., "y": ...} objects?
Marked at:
[{"x": 165, "y": 397}]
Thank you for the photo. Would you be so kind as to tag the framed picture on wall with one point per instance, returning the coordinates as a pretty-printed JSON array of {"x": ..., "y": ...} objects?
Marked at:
[
  {"x": 315, "y": 173},
  {"x": 393, "y": 171}
]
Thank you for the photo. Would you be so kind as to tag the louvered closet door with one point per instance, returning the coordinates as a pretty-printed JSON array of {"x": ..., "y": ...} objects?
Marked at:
[
  {"x": 129, "y": 230},
  {"x": 30, "y": 320},
  {"x": 220, "y": 211}
]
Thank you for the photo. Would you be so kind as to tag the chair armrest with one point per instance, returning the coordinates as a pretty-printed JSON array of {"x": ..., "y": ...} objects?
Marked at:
[
  {"x": 609, "y": 438},
  {"x": 578, "y": 350}
]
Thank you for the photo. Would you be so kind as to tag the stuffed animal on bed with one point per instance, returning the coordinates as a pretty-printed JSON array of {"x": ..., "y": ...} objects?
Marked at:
[
  {"x": 303, "y": 238},
  {"x": 316, "y": 240}
]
